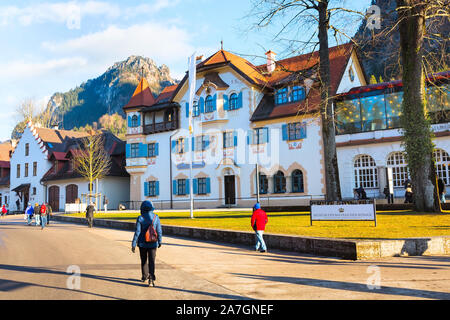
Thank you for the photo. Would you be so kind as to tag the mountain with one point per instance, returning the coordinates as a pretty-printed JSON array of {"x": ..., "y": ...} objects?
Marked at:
[
  {"x": 108, "y": 93},
  {"x": 379, "y": 48}
]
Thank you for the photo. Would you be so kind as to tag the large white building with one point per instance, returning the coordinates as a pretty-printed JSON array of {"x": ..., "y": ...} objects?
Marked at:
[
  {"x": 243, "y": 116},
  {"x": 42, "y": 170}
]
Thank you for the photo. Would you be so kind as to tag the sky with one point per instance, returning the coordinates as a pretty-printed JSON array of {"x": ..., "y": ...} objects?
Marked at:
[{"x": 54, "y": 46}]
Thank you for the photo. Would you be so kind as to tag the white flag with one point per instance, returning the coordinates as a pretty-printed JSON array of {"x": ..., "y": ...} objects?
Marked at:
[{"x": 192, "y": 81}]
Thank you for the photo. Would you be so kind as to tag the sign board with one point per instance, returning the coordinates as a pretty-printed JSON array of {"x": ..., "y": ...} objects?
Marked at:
[
  {"x": 353, "y": 210},
  {"x": 390, "y": 180}
]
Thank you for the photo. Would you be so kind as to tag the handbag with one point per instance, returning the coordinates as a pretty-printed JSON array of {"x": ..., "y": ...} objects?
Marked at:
[{"x": 151, "y": 235}]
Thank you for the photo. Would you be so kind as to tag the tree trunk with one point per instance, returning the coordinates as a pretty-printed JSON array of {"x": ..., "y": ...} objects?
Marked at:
[
  {"x": 417, "y": 135},
  {"x": 327, "y": 116}
]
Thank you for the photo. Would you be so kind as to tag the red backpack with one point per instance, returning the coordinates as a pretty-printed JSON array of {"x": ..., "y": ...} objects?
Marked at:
[
  {"x": 151, "y": 235},
  {"x": 43, "y": 210}
]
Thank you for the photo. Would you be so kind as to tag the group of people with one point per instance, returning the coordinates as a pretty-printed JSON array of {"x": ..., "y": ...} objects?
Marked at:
[
  {"x": 148, "y": 237},
  {"x": 4, "y": 211},
  {"x": 40, "y": 213}
]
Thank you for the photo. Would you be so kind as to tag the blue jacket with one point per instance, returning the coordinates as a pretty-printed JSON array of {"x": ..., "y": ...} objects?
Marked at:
[
  {"x": 142, "y": 224},
  {"x": 29, "y": 211}
]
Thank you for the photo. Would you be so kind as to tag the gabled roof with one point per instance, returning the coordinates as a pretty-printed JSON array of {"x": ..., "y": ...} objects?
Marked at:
[
  {"x": 5, "y": 149},
  {"x": 167, "y": 94},
  {"x": 142, "y": 96}
]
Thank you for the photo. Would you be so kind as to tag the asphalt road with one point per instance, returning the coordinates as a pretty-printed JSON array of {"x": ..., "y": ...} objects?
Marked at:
[{"x": 43, "y": 264}]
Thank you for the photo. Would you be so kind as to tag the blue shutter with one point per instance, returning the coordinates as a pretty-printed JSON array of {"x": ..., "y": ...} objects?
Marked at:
[
  {"x": 186, "y": 144},
  {"x": 146, "y": 189},
  {"x": 187, "y": 186},
  {"x": 266, "y": 135},
  {"x": 202, "y": 105},
  {"x": 303, "y": 131},
  {"x": 284, "y": 129},
  {"x": 139, "y": 120},
  {"x": 187, "y": 110},
  {"x": 174, "y": 187},
  {"x": 127, "y": 150},
  {"x": 239, "y": 100},
  {"x": 208, "y": 185},
  {"x": 129, "y": 121},
  {"x": 235, "y": 138},
  {"x": 157, "y": 149},
  {"x": 174, "y": 146},
  {"x": 250, "y": 136},
  {"x": 206, "y": 142},
  {"x": 226, "y": 102},
  {"x": 214, "y": 102},
  {"x": 193, "y": 143},
  {"x": 157, "y": 188},
  {"x": 143, "y": 150},
  {"x": 195, "y": 186}
]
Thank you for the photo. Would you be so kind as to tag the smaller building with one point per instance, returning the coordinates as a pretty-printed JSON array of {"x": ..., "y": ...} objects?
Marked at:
[{"x": 5, "y": 155}]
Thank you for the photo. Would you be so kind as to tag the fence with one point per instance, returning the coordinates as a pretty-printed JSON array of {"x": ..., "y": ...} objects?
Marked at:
[{"x": 210, "y": 203}]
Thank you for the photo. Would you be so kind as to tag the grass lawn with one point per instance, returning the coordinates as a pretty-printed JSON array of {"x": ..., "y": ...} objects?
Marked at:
[{"x": 399, "y": 224}]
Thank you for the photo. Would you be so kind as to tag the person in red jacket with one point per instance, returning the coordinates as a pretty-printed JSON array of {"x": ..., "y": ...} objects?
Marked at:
[{"x": 258, "y": 222}]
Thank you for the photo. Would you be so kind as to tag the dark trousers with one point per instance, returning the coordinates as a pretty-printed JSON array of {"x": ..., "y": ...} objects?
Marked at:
[
  {"x": 90, "y": 221},
  {"x": 148, "y": 262}
]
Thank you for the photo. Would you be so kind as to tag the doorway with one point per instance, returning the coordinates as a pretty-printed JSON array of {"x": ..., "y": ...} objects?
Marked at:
[
  {"x": 230, "y": 190},
  {"x": 53, "y": 198}
]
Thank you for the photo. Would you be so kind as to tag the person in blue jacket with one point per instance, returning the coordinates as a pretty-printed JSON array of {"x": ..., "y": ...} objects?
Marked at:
[
  {"x": 147, "y": 250},
  {"x": 29, "y": 212}
]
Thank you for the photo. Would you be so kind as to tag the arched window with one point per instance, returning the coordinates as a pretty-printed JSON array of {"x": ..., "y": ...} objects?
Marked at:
[
  {"x": 263, "y": 184},
  {"x": 233, "y": 102},
  {"x": 209, "y": 106},
  {"x": 397, "y": 162},
  {"x": 442, "y": 162},
  {"x": 297, "y": 181},
  {"x": 279, "y": 182},
  {"x": 134, "y": 121},
  {"x": 366, "y": 173}
]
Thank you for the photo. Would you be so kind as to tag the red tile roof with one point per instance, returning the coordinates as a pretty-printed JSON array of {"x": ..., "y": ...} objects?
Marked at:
[{"x": 142, "y": 96}]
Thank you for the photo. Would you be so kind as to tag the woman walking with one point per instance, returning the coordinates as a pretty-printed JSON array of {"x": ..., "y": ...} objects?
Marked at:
[
  {"x": 147, "y": 241},
  {"x": 258, "y": 223}
]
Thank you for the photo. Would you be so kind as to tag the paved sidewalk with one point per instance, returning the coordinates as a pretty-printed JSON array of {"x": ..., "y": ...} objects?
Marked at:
[{"x": 192, "y": 269}]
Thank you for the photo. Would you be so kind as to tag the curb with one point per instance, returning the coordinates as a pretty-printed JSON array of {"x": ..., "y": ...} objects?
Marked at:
[{"x": 340, "y": 248}]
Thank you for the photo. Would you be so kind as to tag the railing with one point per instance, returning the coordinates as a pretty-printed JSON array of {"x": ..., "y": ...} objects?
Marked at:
[
  {"x": 202, "y": 203},
  {"x": 160, "y": 127}
]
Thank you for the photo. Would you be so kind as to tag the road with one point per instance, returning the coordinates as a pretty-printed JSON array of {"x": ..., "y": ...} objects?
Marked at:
[{"x": 40, "y": 264}]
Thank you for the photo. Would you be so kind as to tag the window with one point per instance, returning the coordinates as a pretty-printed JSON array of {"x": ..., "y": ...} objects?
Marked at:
[
  {"x": 263, "y": 184},
  {"x": 34, "y": 169},
  {"x": 181, "y": 185},
  {"x": 27, "y": 149},
  {"x": 180, "y": 145},
  {"x": 152, "y": 149},
  {"x": 18, "y": 171},
  {"x": 233, "y": 102},
  {"x": 134, "y": 121},
  {"x": 281, "y": 96},
  {"x": 34, "y": 191},
  {"x": 442, "y": 162},
  {"x": 296, "y": 131},
  {"x": 397, "y": 162},
  {"x": 152, "y": 189},
  {"x": 279, "y": 182},
  {"x": 260, "y": 136},
  {"x": 26, "y": 170},
  {"x": 393, "y": 109},
  {"x": 168, "y": 115},
  {"x": 348, "y": 116},
  {"x": 201, "y": 143},
  {"x": 134, "y": 150},
  {"x": 228, "y": 140},
  {"x": 373, "y": 113},
  {"x": 351, "y": 74},
  {"x": 297, "y": 181},
  {"x": 196, "y": 109},
  {"x": 209, "y": 104},
  {"x": 297, "y": 93},
  {"x": 201, "y": 186},
  {"x": 366, "y": 172}
]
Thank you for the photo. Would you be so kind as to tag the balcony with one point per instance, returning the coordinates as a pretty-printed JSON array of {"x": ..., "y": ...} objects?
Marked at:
[{"x": 160, "y": 127}]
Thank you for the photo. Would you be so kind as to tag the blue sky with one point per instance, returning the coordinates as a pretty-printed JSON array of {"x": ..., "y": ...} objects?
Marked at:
[{"x": 53, "y": 46}]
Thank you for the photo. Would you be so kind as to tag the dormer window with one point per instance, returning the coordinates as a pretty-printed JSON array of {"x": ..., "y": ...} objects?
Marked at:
[
  {"x": 291, "y": 94},
  {"x": 281, "y": 96},
  {"x": 134, "y": 121},
  {"x": 297, "y": 93}
]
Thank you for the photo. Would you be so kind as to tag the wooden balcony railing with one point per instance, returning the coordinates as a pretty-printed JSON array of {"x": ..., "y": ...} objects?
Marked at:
[{"x": 160, "y": 127}]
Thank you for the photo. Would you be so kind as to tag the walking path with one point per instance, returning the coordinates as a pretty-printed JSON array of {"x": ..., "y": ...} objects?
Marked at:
[{"x": 34, "y": 265}]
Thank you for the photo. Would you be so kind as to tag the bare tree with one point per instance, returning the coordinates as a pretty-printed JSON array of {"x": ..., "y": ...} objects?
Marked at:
[{"x": 91, "y": 160}]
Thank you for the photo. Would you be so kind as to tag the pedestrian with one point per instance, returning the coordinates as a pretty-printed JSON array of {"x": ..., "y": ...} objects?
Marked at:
[
  {"x": 258, "y": 223},
  {"x": 29, "y": 212},
  {"x": 441, "y": 190},
  {"x": 37, "y": 214},
  {"x": 4, "y": 211},
  {"x": 409, "y": 194},
  {"x": 90, "y": 214},
  {"x": 43, "y": 212},
  {"x": 49, "y": 212},
  {"x": 18, "y": 204},
  {"x": 147, "y": 247},
  {"x": 105, "y": 204}
]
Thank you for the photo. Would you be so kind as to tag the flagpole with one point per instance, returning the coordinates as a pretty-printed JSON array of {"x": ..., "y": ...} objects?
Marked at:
[{"x": 192, "y": 80}]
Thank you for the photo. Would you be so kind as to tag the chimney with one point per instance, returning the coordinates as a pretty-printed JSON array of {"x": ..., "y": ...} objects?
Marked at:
[
  {"x": 199, "y": 59},
  {"x": 270, "y": 61}
]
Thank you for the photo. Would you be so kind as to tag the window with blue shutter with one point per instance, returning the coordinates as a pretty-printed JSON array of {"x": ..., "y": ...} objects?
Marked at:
[
  {"x": 152, "y": 150},
  {"x": 134, "y": 150},
  {"x": 201, "y": 185},
  {"x": 209, "y": 104},
  {"x": 196, "y": 109},
  {"x": 152, "y": 188},
  {"x": 296, "y": 131}
]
